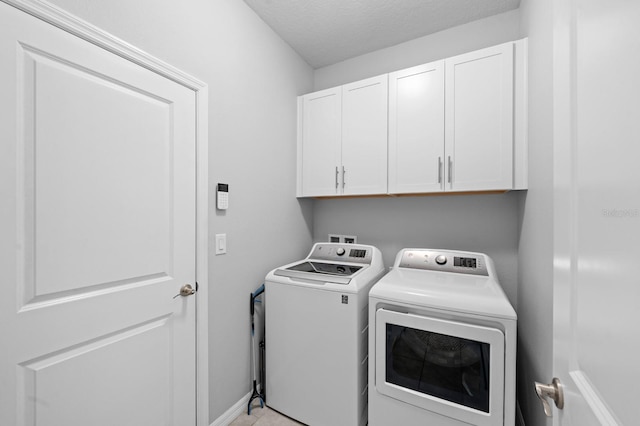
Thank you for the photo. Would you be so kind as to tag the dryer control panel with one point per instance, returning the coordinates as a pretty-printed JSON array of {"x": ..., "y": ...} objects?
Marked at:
[{"x": 445, "y": 261}]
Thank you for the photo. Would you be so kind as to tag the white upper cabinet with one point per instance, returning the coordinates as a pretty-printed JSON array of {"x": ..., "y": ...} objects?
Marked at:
[
  {"x": 416, "y": 129},
  {"x": 479, "y": 120},
  {"x": 342, "y": 140},
  {"x": 321, "y": 133},
  {"x": 459, "y": 124},
  {"x": 455, "y": 125},
  {"x": 364, "y": 137}
]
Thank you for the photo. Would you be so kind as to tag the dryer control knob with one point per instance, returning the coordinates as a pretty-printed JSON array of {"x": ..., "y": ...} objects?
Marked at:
[
  {"x": 441, "y": 259},
  {"x": 340, "y": 251}
]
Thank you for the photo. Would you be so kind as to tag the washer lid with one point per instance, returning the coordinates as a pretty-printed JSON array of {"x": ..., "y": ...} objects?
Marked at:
[
  {"x": 462, "y": 293},
  {"x": 339, "y": 273}
]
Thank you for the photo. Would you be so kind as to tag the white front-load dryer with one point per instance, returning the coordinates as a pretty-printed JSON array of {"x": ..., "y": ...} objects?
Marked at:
[
  {"x": 442, "y": 343},
  {"x": 316, "y": 322}
]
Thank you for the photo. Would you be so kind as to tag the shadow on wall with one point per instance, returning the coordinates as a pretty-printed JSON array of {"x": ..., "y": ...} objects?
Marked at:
[{"x": 307, "y": 210}]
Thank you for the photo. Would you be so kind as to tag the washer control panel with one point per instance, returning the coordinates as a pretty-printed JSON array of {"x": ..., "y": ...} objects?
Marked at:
[
  {"x": 356, "y": 253},
  {"x": 445, "y": 261}
]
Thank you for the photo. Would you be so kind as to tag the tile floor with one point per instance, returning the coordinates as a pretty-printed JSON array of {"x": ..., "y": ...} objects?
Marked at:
[{"x": 263, "y": 417}]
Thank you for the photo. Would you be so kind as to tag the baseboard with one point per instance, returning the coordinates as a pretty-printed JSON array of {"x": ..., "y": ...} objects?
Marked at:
[
  {"x": 239, "y": 407},
  {"x": 233, "y": 412},
  {"x": 519, "y": 418}
]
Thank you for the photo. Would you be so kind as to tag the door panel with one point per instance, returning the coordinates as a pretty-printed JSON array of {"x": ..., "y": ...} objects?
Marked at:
[
  {"x": 58, "y": 150},
  {"x": 597, "y": 213},
  {"x": 98, "y": 171},
  {"x": 75, "y": 399}
]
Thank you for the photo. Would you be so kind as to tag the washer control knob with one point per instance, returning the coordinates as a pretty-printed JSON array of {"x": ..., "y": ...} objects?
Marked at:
[
  {"x": 340, "y": 251},
  {"x": 441, "y": 259}
]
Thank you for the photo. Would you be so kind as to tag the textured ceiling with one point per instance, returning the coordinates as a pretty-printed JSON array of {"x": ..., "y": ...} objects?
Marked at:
[{"x": 324, "y": 32}]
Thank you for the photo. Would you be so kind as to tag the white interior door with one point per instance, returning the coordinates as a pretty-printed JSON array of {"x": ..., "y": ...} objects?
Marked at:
[
  {"x": 597, "y": 222},
  {"x": 97, "y": 176}
]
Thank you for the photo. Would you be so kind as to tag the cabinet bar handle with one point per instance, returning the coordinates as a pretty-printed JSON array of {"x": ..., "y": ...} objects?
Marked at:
[
  {"x": 343, "y": 181},
  {"x": 440, "y": 170},
  {"x": 336, "y": 177},
  {"x": 450, "y": 167}
]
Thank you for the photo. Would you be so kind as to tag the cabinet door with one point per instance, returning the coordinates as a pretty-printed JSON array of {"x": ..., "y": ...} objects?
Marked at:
[
  {"x": 416, "y": 129},
  {"x": 479, "y": 120},
  {"x": 364, "y": 137},
  {"x": 321, "y": 139}
]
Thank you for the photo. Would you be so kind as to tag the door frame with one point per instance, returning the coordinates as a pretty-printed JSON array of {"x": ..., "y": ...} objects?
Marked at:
[{"x": 67, "y": 22}]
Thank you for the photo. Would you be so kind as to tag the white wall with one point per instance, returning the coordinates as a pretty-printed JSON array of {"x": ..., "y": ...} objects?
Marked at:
[
  {"x": 485, "y": 223},
  {"x": 461, "y": 39},
  {"x": 254, "y": 78},
  {"x": 535, "y": 293}
]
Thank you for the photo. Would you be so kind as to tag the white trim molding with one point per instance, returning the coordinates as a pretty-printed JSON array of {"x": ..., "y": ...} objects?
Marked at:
[
  {"x": 233, "y": 412},
  {"x": 72, "y": 24},
  {"x": 593, "y": 399},
  {"x": 62, "y": 19}
]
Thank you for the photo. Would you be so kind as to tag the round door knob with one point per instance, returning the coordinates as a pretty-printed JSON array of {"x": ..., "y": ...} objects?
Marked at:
[
  {"x": 554, "y": 391},
  {"x": 185, "y": 290}
]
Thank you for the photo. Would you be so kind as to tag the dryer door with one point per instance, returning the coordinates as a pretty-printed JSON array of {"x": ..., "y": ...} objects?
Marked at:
[{"x": 447, "y": 367}]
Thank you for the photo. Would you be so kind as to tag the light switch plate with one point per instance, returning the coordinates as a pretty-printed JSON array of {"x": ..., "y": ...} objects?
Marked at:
[{"x": 221, "y": 243}]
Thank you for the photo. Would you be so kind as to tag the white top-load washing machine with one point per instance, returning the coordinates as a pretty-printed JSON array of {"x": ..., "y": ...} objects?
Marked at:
[
  {"x": 316, "y": 322},
  {"x": 442, "y": 343}
]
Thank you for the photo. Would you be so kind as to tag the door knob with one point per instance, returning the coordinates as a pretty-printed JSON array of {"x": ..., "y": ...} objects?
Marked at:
[
  {"x": 553, "y": 391},
  {"x": 185, "y": 290}
]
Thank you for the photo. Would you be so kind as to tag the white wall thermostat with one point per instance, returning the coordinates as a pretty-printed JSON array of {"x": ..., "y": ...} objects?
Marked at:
[{"x": 223, "y": 196}]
